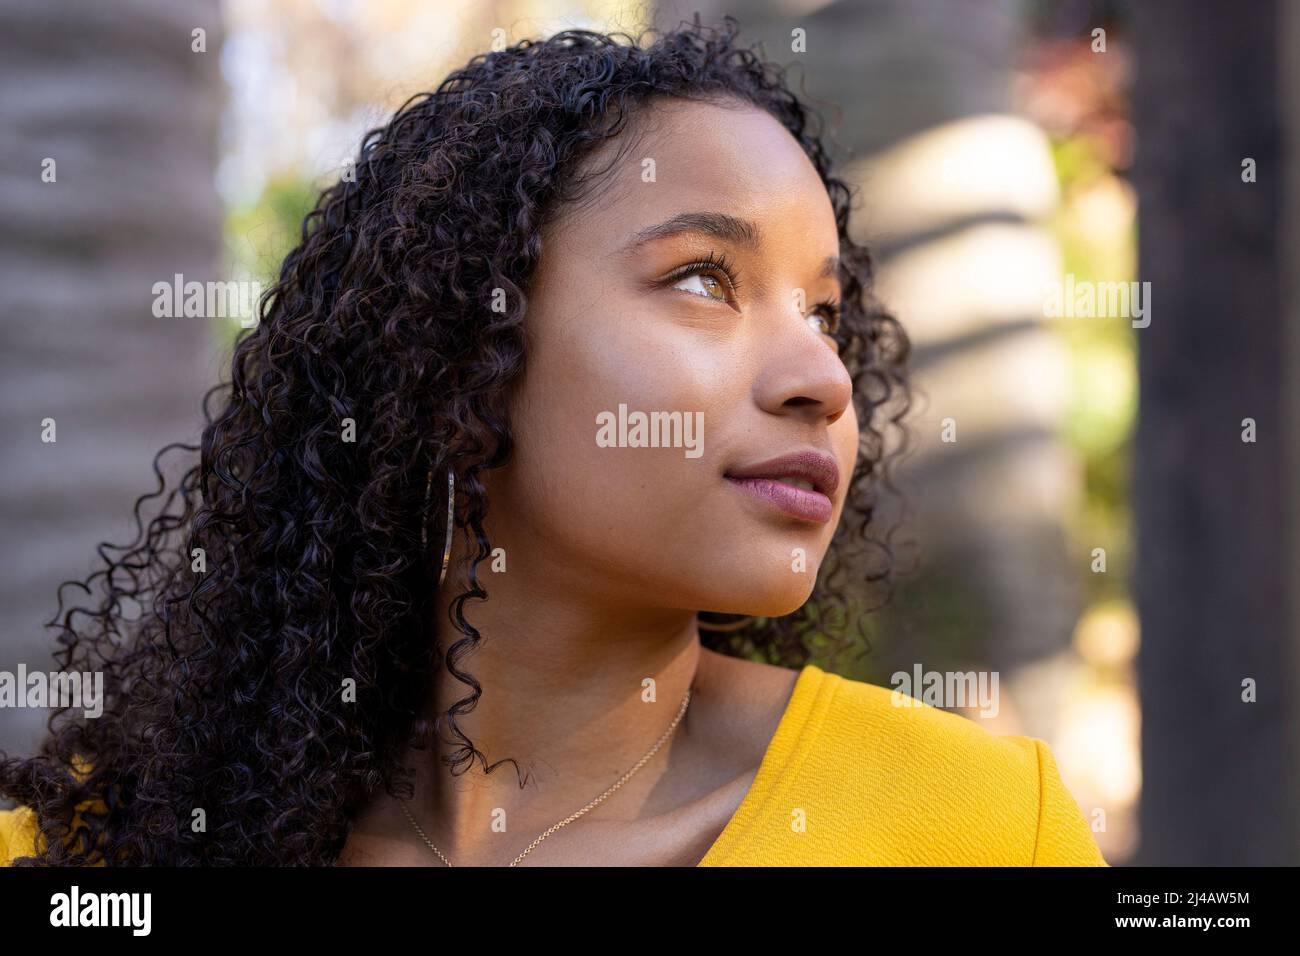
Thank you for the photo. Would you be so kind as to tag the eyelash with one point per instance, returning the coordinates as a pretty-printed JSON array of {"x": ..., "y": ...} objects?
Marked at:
[
  {"x": 832, "y": 311},
  {"x": 720, "y": 263},
  {"x": 715, "y": 262}
]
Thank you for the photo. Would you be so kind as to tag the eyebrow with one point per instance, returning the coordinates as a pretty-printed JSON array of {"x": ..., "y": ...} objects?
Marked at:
[{"x": 719, "y": 225}]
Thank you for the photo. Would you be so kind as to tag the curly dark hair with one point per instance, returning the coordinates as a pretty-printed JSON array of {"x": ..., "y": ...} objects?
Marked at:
[{"x": 222, "y": 688}]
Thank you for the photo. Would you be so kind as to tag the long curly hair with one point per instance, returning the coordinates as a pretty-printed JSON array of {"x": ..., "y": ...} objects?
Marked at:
[{"x": 282, "y": 577}]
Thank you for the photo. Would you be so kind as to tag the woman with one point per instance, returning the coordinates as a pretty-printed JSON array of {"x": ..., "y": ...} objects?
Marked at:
[{"x": 586, "y": 332}]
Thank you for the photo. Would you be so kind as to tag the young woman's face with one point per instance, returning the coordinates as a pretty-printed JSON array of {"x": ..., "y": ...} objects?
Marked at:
[{"x": 616, "y": 330}]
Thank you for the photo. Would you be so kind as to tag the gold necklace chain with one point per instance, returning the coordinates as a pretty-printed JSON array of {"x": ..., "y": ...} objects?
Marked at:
[{"x": 569, "y": 819}]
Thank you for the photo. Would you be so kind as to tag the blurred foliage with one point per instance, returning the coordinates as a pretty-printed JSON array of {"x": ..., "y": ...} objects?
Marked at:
[
  {"x": 1095, "y": 226},
  {"x": 258, "y": 236}
]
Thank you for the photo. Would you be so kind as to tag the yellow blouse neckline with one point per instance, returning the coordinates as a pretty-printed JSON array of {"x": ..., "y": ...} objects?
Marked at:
[{"x": 801, "y": 715}]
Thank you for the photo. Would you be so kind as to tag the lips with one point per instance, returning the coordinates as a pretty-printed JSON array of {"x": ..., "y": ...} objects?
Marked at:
[{"x": 799, "y": 484}]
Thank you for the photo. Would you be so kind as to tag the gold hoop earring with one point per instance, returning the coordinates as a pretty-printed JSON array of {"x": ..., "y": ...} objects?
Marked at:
[
  {"x": 723, "y": 627},
  {"x": 451, "y": 515}
]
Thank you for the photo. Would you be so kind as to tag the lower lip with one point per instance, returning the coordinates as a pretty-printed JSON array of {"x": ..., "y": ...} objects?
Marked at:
[{"x": 796, "y": 502}]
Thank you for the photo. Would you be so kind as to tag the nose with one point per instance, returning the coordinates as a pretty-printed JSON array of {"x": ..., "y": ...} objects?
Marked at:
[{"x": 801, "y": 374}]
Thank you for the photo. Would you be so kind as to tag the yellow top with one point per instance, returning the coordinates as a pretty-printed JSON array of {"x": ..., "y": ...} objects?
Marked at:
[{"x": 852, "y": 779}]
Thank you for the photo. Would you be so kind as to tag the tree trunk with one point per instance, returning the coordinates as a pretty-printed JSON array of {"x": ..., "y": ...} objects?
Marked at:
[
  {"x": 1213, "y": 510},
  {"x": 129, "y": 113}
]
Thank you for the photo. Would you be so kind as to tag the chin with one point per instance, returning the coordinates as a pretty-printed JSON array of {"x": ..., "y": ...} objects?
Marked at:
[{"x": 776, "y": 600}]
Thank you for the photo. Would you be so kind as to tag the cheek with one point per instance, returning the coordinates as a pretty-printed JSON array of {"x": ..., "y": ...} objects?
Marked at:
[{"x": 619, "y": 507}]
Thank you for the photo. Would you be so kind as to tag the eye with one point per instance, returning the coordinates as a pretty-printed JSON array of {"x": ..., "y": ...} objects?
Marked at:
[
  {"x": 703, "y": 284},
  {"x": 825, "y": 317},
  {"x": 710, "y": 278}
]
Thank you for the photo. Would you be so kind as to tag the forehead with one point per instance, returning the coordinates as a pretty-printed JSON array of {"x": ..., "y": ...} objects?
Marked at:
[{"x": 680, "y": 155}]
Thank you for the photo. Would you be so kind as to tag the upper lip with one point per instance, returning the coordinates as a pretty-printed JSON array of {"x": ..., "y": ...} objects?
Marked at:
[{"x": 816, "y": 467}]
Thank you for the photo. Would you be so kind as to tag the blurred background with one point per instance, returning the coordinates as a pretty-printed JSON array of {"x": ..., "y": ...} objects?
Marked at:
[{"x": 1103, "y": 510}]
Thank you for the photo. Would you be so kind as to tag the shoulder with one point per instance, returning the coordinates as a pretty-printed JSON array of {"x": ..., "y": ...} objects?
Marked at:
[
  {"x": 901, "y": 730},
  {"x": 19, "y": 830},
  {"x": 968, "y": 796},
  {"x": 17, "y": 834},
  {"x": 887, "y": 780}
]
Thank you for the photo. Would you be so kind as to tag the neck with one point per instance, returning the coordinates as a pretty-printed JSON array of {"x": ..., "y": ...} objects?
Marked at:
[{"x": 576, "y": 691}]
